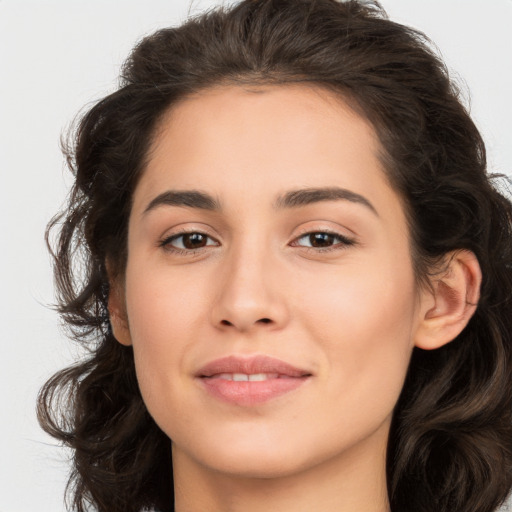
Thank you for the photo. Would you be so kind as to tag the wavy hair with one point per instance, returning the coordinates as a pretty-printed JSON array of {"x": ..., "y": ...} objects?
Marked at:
[{"x": 450, "y": 444}]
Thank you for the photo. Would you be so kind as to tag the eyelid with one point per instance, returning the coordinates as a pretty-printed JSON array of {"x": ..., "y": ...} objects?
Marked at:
[
  {"x": 165, "y": 241},
  {"x": 344, "y": 241},
  {"x": 342, "y": 232}
]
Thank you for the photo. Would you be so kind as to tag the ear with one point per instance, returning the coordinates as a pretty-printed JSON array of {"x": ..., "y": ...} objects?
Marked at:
[
  {"x": 450, "y": 302},
  {"x": 117, "y": 311}
]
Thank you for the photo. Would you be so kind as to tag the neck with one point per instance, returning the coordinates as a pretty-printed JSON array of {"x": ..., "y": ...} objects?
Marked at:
[{"x": 352, "y": 481}]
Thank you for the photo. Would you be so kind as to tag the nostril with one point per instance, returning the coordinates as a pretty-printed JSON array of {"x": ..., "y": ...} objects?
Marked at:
[{"x": 227, "y": 323}]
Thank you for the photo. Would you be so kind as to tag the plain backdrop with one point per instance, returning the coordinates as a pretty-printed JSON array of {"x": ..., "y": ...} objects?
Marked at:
[{"x": 57, "y": 57}]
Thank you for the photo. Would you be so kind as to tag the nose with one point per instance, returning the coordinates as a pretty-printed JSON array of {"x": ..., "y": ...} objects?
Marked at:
[{"x": 251, "y": 295}]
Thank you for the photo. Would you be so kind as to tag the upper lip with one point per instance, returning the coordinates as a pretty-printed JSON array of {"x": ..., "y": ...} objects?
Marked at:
[{"x": 250, "y": 365}]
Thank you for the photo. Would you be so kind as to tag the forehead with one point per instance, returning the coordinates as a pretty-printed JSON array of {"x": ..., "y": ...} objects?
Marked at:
[
  {"x": 294, "y": 111},
  {"x": 265, "y": 138}
]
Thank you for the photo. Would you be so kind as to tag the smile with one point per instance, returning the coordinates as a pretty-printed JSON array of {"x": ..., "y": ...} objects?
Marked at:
[
  {"x": 250, "y": 381},
  {"x": 243, "y": 377}
]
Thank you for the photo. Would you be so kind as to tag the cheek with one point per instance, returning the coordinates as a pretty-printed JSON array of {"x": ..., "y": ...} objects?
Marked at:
[
  {"x": 364, "y": 322},
  {"x": 164, "y": 315},
  {"x": 359, "y": 298},
  {"x": 162, "y": 305}
]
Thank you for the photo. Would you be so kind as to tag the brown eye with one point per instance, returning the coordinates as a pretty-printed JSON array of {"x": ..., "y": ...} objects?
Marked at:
[
  {"x": 187, "y": 241},
  {"x": 194, "y": 240},
  {"x": 322, "y": 240}
]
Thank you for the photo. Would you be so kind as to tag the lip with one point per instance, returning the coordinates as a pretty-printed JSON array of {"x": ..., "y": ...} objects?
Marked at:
[{"x": 285, "y": 378}]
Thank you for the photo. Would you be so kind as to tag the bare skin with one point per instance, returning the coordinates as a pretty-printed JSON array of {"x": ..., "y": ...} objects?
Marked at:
[{"x": 325, "y": 284}]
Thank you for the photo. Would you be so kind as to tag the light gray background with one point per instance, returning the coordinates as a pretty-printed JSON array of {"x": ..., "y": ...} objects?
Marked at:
[{"x": 56, "y": 57}]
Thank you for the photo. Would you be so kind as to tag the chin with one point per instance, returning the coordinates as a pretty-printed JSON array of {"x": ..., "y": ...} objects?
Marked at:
[{"x": 256, "y": 458}]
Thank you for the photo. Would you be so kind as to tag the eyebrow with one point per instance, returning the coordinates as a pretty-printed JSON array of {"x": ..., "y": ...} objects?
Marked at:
[
  {"x": 188, "y": 198},
  {"x": 306, "y": 196},
  {"x": 291, "y": 199}
]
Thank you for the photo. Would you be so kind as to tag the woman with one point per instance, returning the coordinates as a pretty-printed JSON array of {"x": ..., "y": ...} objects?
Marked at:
[{"x": 298, "y": 275}]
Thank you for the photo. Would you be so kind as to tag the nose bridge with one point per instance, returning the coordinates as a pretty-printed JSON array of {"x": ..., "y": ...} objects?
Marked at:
[
  {"x": 248, "y": 289},
  {"x": 247, "y": 267}
]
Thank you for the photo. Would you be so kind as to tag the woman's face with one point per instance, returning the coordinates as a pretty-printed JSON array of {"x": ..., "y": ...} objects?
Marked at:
[{"x": 264, "y": 225}]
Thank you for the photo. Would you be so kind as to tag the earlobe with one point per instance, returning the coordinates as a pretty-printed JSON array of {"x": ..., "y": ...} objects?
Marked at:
[
  {"x": 451, "y": 301},
  {"x": 117, "y": 314}
]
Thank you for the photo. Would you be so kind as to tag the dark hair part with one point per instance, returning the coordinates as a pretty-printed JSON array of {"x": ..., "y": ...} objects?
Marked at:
[{"x": 450, "y": 446}]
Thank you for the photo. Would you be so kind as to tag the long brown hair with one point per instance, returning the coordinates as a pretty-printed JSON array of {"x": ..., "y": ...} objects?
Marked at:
[{"x": 450, "y": 445}]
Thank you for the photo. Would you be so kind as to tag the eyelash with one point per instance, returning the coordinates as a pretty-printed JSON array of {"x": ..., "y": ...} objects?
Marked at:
[
  {"x": 166, "y": 243},
  {"x": 342, "y": 243}
]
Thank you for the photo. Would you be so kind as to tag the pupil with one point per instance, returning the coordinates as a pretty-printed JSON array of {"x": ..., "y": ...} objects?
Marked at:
[
  {"x": 321, "y": 239},
  {"x": 194, "y": 240}
]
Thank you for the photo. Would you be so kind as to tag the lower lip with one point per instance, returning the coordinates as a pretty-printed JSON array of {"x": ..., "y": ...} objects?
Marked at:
[{"x": 251, "y": 393}]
